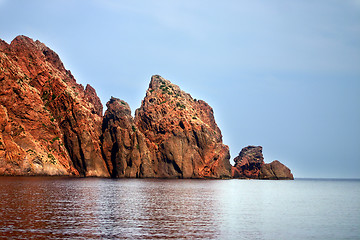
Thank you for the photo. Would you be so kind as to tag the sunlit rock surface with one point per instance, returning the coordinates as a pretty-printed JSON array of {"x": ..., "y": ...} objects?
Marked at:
[{"x": 50, "y": 125}]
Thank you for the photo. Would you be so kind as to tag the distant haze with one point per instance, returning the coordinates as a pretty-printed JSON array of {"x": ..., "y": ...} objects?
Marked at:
[{"x": 281, "y": 74}]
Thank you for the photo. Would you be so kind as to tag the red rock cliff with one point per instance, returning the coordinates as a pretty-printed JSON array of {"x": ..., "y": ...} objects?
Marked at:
[
  {"x": 125, "y": 148},
  {"x": 48, "y": 123},
  {"x": 182, "y": 134},
  {"x": 172, "y": 136}
]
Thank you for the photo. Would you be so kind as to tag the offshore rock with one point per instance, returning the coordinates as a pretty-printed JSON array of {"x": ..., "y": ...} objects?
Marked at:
[
  {"x": 250, "y": 164},
  {"x": 181, "y": 136},
  {"x": 49, "y": 125},
  {"x": 275, "y": 171}
]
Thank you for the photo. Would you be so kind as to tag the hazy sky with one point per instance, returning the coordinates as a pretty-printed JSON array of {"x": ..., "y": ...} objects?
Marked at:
[{"x": 281, "y": 74}]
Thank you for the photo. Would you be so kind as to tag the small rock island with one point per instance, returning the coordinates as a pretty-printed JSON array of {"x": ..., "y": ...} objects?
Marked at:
[
  {"x": 50, "y": 125},
  {"x": 250, "y": 164}
]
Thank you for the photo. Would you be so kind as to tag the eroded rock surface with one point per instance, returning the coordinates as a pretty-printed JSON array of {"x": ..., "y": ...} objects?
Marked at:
[
  {"x": 172, "y": 136},
  {"x": 275, "y": 171},
  {"x": 49, "y": 124},
  {"x": 124, "y": 146},
  {"x": 250, "y": 164},
  {"x": 182, "y": 133}
]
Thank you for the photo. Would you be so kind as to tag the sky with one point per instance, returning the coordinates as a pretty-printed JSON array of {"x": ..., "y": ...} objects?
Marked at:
[{"x": 284, "y": 75}]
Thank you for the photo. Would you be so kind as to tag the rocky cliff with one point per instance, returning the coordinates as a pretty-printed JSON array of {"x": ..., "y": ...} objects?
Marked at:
[
  {"x": 49, "y": 124},
  {"x": 250, "y": 164},
  {"x": 182, "y": 133},
  {"x": 125, "y": 148},
  {"x": 172, "y": 136}
]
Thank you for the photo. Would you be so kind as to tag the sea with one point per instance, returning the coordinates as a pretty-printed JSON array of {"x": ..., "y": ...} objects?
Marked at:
[{"x": 98, "y": 208}]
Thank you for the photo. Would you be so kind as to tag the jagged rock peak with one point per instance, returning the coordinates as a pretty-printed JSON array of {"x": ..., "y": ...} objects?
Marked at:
[
  {"x": 53, "y": 125},
  {"x": 160, "y": 84},
  {"x": 22, "y": 42},
  {"x": 92, "y": 97},
  {"x": 117, "y": 111},
  {"x": 255, "y": 152},
  {"x": 124, "y": 147},
  {"x": 118, "y": 102},
  {"x": 172, "y": 136},
  {"x": 164, "y": 98},
  {"x": 182, "y": 133}
]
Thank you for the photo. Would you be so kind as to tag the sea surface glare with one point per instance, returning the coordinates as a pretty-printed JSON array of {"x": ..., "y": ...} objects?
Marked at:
[{"x": 94, "y": 208}]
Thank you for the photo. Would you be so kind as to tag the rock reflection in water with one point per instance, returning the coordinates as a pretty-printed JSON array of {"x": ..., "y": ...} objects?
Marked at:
[
  {"x": 93, "y": 208},
  {"x": 106, "y": 208}
]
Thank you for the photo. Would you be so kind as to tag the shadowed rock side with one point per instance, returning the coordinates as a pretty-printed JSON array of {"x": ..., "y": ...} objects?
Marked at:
[
  {"x": 182, "y": 137},
  {"x": 124, "y": 147},
  {"x": 48, "y": 123},
  {"x": 250, "y": 164}
]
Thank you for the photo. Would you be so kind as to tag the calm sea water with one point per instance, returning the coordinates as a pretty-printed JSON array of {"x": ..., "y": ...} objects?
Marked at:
[{"x": 92, "y": 208}]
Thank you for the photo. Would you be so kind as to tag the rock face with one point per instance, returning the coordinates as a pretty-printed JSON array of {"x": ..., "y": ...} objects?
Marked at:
[
  {"x": 49, "y": 125},
  {"x": 125, "y": 148},
  {"x": 172, "y": 136},
  {"x": 275, "y": 171},
  {"x": 250, "y": 164}
]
